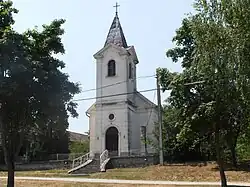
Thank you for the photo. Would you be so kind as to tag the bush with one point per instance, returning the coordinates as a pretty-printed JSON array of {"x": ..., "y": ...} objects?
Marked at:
[{"x": 79, "y": 147}]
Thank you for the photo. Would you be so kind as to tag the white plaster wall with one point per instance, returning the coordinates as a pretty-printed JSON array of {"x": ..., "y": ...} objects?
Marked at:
[
  {"x": 131, "y": 84},
  {"x": 129, "y": 131},
  {"x": 121, "y": 75},
  {"x": 135, "y": 138},
  {"x": 119, "y": 107},
  {"x": 120, "y": 122},
  {"x": 95, "y": 133},
  {"x": 146, "y": 116},
  {"x": 126, "y": 121},
  {"x": 150, "y": 129},
  {"x": 92, "y": 131}
]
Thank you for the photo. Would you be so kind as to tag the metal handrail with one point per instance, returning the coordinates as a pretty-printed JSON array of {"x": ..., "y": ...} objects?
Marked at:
[
  {"x": 80, "y": 160},
  {"x": 104, "y": 156}
]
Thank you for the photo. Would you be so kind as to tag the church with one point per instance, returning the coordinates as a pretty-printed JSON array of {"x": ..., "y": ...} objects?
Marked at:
[{"x": 122, "y": 120}]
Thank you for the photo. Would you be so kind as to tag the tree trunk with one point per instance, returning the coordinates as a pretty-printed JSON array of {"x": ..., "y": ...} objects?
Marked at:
[
  {"x": 10, "y": 154},
  {"x": 233, "y": 156},
  {"x": 11, "y": 173},
  {"x": 220, "y": 160}
]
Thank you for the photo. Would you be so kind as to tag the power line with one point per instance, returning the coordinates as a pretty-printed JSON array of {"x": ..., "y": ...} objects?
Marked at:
[
  {"x": 113, "y": 95},
  {"x": 139, "y": 110},
  {"x": 128, "y": 93},
  {"x": 109, "y": 85}
]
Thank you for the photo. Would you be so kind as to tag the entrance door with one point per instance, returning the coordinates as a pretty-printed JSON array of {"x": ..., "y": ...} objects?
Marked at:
[{"x": 112, "y": 139}]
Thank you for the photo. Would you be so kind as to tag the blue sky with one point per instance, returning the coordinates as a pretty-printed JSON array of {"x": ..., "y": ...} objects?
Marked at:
[{"x": 148, "y": 25}]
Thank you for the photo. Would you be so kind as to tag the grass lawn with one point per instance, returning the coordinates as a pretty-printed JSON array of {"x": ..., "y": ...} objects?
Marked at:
[
  {"x": 177, "y": 172},
  {"x": 23, "y": 183},
  {"x": 42, "y": 173}
]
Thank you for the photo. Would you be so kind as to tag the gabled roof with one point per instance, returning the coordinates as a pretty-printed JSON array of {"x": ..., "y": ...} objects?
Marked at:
[
  {"x": 92, "y": 107},
  {"x": 146, "y": 99},
  {"x": 77, "y": 137},
  {"x": 116, "y": 35}
]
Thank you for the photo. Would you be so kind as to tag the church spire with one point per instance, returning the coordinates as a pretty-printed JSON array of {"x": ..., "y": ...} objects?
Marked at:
[{"x": 116, "y": 35}]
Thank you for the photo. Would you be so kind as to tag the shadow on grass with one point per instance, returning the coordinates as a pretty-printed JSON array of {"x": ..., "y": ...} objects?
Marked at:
[
  {"x": 194, "y": 164},
  {"x": 242, "y": 166}
]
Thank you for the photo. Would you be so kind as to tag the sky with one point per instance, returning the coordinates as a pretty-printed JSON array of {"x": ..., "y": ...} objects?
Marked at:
[{"x": 148, "y": 25}]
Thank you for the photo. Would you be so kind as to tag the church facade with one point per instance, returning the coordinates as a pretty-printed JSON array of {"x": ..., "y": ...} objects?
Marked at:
[{"x": 121, "y": 119}]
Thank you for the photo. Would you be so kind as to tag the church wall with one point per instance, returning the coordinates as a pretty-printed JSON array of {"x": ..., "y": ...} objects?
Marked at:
[
  {"x": 132, "y": 162},
  {"x": 150, "y": 129},
  {"x": 92, "y": 132},
  {"x": 147, "y": 116},
  {"x": 132, "y": 80},
  {"x": 120, "y": 122},
  {"x": 134, "y": 132},
  {"x": 119, "y": 80},
  {"x": 113, "y": 98},
  {"x": 95, "y": 132}
]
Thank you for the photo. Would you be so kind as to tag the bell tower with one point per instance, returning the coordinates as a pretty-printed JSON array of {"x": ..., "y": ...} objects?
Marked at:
[{"x": 115, "y": 92}]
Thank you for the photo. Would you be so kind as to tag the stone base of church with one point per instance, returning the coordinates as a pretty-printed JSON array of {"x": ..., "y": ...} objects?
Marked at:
[
  {"x": 124, "y": 154},
  {"x": 132, "y": 161}
]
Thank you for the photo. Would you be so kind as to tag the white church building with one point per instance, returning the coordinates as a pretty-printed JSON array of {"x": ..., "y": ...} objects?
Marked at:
[{"x": 121, "y": 116}]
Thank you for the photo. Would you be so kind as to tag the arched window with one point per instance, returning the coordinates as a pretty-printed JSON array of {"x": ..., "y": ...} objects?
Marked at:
[
  {"x": 111, "y": 68},
  {"x": 130, "y": 73}
]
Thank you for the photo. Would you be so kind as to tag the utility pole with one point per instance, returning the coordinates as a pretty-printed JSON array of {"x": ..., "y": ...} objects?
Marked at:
[{"x": 159, "y": 118}]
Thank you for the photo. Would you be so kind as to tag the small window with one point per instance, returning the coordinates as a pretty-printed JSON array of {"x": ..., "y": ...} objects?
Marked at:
[
  {"x": 111, "y": 68},
  {"x": 130, "y": 74},
  {"x": 111, "y": 117}
]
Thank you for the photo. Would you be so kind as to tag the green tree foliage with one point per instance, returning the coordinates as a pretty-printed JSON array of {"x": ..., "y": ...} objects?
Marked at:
[
  {"x": 213, "y": 48},
  {"x": 177, "y": 149},
  {"x": 243, "y": 145},
  {"x": 79, "y": 147},
  {"x": 43, "y": 144},
  {"x": 35, "y": 94}
]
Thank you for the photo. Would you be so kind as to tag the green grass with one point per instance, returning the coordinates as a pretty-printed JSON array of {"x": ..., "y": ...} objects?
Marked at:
[
  {"x": 177, "y": 172},
  {"x": 25, "y": 183},
  {"x": 42, "y": 173}
]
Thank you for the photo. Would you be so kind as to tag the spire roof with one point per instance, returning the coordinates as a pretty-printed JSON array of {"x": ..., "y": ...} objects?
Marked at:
[{"x": 116, "y": 35}]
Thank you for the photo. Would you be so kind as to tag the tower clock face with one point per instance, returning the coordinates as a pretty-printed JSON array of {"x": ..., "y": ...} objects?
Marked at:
[{"x": 111, "y": 117}]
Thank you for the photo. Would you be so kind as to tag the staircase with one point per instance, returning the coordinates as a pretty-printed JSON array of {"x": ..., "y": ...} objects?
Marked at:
[{"x": 87, "y": 163}]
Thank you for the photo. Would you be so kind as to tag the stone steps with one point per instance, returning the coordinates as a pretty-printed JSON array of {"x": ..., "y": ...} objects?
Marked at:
[
  {"x": 115, "y": 162},
  {"x": 88, "y": 168}
]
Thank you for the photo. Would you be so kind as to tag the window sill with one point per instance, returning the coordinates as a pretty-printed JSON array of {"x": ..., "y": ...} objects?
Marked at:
[{"x": 111, "y": 76}]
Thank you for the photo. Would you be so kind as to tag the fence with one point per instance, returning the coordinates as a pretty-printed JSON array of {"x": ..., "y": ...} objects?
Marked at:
[
  {"x": 70, "y": 156},
  {"x": 134, "y": 152},
  {"x": 51, "y": 157}
]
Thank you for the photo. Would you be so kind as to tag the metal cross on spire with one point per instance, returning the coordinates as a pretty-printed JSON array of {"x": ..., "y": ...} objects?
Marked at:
[{"x": 116, "y": 8}]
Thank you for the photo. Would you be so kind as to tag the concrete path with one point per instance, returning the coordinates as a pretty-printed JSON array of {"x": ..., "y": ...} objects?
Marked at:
[{"x": 112, "y": 181}]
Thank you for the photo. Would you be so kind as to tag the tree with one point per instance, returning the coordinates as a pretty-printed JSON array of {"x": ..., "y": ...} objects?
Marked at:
[
  {"x": 40, "y": 144},
  {"x": 34, "y": 92},
  {"x": 79, "y": 147},
  {"x": 213, "y": 46},
  {"x": 176, "y": 149}
]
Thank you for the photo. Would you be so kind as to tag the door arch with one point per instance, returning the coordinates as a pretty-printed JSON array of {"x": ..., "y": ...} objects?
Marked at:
[{"x": 112, "y": 140}]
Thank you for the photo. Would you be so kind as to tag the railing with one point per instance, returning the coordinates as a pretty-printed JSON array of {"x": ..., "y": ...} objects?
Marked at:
[
  {"x": 80, "y": 160},
  {"x": 50, "y": 157},
  {"x": 70, "y": 156},
  {"x": 104, "y": 156},
  {"x": 133, "y": 152}
]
